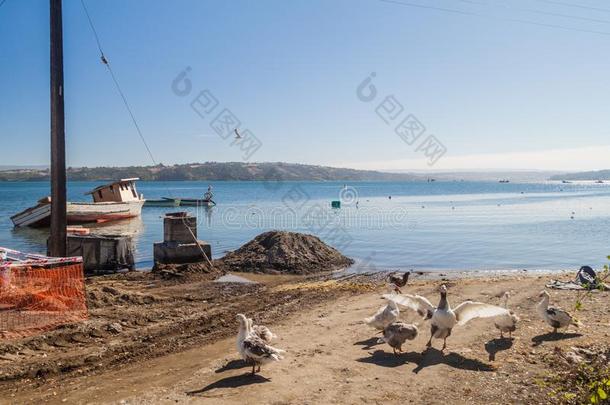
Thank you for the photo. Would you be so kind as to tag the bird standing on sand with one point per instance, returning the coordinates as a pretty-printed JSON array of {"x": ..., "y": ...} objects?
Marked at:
[
  {"x": 384, "y": 316},
  {"x": 554, "y": 316},
  {"x": 506, "y": 323},
  {"x": 252, "y": 348},
  {"x": 397, "y": 281},
  {"x": 443, "y": 318},
  {"x": 396, "y": 333}
]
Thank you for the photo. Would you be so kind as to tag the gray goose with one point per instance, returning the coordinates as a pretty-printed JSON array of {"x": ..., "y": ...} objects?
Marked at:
[
  {"x": 506, "y": 323},
  {"x": 252, "y": 348},
  {"x": 554, "y": 316},
  {"x": 396, "y": 333}
]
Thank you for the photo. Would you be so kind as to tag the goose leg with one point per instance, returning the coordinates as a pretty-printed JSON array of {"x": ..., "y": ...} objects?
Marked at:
[
  {"x": 554, "y": 331},
  {"x": 501, "y": 335},
  {"x": 258, "y": 370},
  {"x": 253, "y": 366},
  {"x": 445, "y": 340},
  {"x": 433, "y": 330}
]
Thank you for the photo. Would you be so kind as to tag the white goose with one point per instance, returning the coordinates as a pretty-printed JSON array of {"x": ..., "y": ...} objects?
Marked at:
[
  {"x": 443, "y": 318},
  {"x": 252, "y": 348},
  {"x": 506, "y": 323},
  {"x": 384, "y": 316},
  {"x": 396, "y": 333},
  {"x": 554, "y": 316},
  {"x": 262, "y": 331}
]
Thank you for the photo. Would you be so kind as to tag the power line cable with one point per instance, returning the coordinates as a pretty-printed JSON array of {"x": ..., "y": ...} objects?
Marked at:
[
  {"x": 552, "y": 14},
  {"x": 116, "y": 83},
  {"x": 484, "y": 16},
  {"x": 541, "y": 12},
  {"x": 561, "y": 3}
]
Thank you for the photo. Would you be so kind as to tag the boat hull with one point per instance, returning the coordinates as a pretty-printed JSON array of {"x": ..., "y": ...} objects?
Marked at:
[
  {"x": 166, "y": 202},
  {"x": 80, "y": 213},
  {"x": 192, "y": 202}
]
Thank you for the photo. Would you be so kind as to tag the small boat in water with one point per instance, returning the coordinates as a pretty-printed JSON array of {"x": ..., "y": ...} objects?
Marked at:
[
  {"x": 164, "y": 202},
  {"x": 206, "y": 201},
  {"x": 192, "y": 202},
  {"x": 111, "y": 202}
]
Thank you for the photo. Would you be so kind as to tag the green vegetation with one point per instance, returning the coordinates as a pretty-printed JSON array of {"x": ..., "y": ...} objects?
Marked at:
[
  {"x": 586, "y": 381},
  {"x": 212, "y": 171}
]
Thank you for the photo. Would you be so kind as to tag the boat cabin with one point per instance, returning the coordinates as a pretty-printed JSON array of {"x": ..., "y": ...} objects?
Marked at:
[{"x": 120, "y": 191}]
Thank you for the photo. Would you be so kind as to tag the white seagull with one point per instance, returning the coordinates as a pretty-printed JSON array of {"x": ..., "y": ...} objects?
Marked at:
[
  {"x": 554, "y": 316},
  {"x": 443, "y": 318}
]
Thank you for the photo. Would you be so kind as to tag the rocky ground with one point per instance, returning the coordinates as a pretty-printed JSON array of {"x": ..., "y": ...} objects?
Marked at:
[{"x": 152, "y": 340}]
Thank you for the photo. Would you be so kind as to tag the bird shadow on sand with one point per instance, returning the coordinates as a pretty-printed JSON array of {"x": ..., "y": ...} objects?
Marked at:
[
  {"x": 432, "y": 357},
  {"x": 497, "y": 345},
  {"x": 428, "y": 358},
  {"x": 233, "y": 365},
  {"x": 384, "y": 359},
  {"x": 553, "y": 337},
  {"x": 232, "y": 382},
  {"x": 368, "y": 344}
]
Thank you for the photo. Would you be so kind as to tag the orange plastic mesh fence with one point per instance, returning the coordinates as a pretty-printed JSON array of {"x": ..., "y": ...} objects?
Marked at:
[{"x": 36, "y": 299}]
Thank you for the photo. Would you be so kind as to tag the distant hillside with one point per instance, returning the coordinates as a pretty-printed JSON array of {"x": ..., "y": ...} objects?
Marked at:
[
  {"x": 593, "y": 175},
  {"x": 212, "y": 171}
]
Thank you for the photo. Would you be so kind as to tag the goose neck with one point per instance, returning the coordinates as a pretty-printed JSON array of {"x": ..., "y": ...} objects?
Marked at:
[
  {"x": 544, "y": 303},
  {"x": 443, "y": 303}
]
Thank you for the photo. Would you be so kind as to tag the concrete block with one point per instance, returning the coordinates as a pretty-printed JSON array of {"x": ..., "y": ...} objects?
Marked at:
[
  {"x": 180, "y": 253},
  {"x": 179, "y": 227}
]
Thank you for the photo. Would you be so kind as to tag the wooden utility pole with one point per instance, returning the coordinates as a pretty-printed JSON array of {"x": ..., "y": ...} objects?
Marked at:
[{"x": 57, "y": 243}]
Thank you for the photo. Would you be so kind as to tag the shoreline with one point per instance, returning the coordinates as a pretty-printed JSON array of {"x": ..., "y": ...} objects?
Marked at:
[
  {"x": 188, "y": 355},
  {"x": 466, "y": 274}
]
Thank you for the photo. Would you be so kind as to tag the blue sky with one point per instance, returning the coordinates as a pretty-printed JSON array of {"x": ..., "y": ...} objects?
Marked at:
[{"x": 502, "y": 84}]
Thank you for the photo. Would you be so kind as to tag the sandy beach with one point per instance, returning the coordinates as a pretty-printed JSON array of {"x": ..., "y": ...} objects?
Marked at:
[{"x": 332, "y": 357}]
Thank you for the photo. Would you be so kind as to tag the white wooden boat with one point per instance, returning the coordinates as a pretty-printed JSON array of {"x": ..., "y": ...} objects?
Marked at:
[{"x": 111, "y": 202}]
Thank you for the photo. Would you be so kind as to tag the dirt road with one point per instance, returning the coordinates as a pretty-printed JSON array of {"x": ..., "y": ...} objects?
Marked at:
[{"x": 333, "y": 358}]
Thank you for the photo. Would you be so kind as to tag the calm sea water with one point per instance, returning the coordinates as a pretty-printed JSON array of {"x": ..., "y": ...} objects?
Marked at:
[{"x": 425, "y": 226}]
